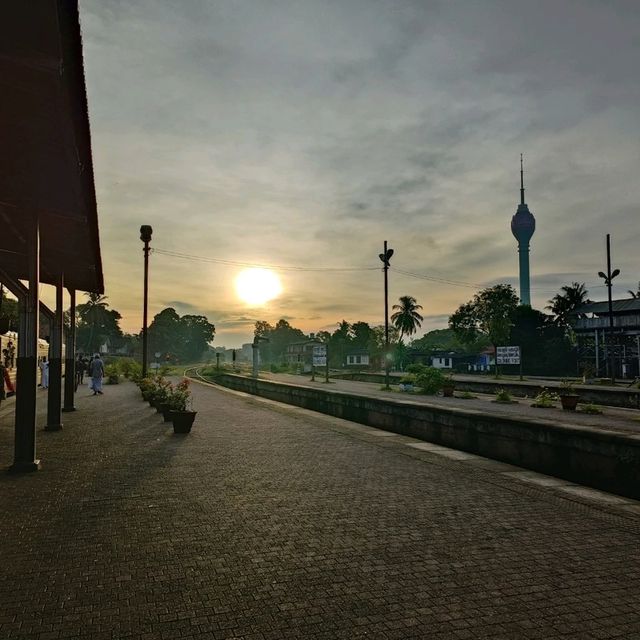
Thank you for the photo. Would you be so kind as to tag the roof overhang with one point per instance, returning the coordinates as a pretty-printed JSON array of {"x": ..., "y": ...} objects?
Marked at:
[{"x": 45, "y": 145}]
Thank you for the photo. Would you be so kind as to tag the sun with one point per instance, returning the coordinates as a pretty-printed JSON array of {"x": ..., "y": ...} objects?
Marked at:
[{"x": 256, "y": 286}]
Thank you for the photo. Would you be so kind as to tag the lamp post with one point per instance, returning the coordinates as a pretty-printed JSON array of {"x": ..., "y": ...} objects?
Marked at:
[
  {"x": 385, "y": 257},
  {"x": 145, "y": 236},
  {"x": 608, "y": 278}
]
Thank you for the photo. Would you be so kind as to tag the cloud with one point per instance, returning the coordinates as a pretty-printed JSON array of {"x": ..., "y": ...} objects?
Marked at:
[{"x": 304, "y": 135}]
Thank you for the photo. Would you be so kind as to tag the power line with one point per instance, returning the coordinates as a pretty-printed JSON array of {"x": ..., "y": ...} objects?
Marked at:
[
  {"x": 411, "y": 274},
  {"x": 236, "y": 263}
]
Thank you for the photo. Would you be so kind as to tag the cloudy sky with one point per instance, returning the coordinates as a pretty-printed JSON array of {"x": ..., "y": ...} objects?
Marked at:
[{"x": 304, "y": 133}]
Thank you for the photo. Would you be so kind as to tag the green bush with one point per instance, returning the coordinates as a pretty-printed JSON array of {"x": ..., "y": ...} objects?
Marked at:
[
  {"x": 430, "y": 380},
  {"x": 128, "y": 367},
  {"x": 415, "y": 368},
  {"x": 112, "y": 374}
]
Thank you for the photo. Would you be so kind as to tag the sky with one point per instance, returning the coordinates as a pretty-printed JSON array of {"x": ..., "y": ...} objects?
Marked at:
[{"x": 303, "y": 134}]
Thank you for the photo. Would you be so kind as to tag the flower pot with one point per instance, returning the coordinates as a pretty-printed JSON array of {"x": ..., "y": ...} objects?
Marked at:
[
  {"x": 569, "y": 401},
  {"x": 165, "y": 410},
  {"x": 447, "y": 391},
  {"x": 182, "y": 421}
]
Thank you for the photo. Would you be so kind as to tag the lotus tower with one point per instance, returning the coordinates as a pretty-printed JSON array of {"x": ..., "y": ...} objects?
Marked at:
[{"x": 523, "y": 226}]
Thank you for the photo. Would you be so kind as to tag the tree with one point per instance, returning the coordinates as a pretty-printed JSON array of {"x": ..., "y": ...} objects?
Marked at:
[
  {"x": 360, "y": 335},
  {"x": 183, "y": 338},
  {"x": 164, "y": 333},
  {"x": 262, "y": 329},
  {"x": 446, "y": 340},
  {"x": 97, "y": 323},
  {"x": 407, "y": 319},
  {"x": 339, "y": 343},
  {"x": 488, "y": 315},
  {"x": 545, "y": 346},
  {"x": 196, "y": 333},
  {"x": 278, "y": 338},
  {"x": 8, "y": 312},
  {"x": 562, "y": 305}
]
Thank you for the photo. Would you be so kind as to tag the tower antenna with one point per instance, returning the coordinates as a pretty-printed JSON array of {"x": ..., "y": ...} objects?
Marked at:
[{"x": 521, "y": 181}]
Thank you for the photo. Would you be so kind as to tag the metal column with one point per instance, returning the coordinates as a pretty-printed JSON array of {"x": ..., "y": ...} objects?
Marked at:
[
  {"x": 70, "y": 356},
  {"x": 27, "y": 380},
  {"x": 54, "y": 400}
]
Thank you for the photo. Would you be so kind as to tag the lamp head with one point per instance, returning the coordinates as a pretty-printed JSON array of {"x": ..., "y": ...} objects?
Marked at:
[
  {"x": 385, "y": 257},
  {"x": 602, "y": 275},
  {"x": 145, "y": 233},
  {"x": 616, "y": 272}
]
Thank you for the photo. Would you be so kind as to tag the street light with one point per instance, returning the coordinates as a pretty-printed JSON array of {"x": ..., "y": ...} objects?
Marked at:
[
  {"x": 608, "y": 278},
  {"x": 145, "y": 236},
  {"x": 385, "y": 257}
]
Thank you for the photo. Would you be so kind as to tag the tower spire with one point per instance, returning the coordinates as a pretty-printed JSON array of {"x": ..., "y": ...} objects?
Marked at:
[{"x": 521, "y": 181}]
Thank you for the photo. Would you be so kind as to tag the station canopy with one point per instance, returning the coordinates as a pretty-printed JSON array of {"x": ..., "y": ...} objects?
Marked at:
[{"x": 45, "y": 145}]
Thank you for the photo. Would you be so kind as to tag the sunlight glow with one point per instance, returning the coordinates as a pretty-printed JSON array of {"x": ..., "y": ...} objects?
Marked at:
[{"x": 256, "y": 286}]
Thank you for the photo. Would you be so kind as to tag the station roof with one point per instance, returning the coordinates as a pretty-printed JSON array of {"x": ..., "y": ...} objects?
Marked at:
[
  {"x": 620, "y": 307},
  {"x": 45, "y": 153}
]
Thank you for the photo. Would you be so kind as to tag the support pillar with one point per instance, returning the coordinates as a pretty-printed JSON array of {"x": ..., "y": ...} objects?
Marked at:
[
  {"x": 70, "y": 357},
  {"x": 55, "y": 363},
  {"x": 27, "y": 379}
]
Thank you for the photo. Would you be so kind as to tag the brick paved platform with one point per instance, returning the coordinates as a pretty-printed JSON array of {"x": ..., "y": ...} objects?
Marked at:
[{"x": 272, "y": 522}]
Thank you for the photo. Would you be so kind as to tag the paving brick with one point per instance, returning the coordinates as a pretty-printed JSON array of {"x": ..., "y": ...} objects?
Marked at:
[{"x": 267, "y": 523}]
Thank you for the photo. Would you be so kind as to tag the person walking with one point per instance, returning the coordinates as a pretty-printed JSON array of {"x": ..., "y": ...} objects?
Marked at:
[{"x": 96, "y": 371}]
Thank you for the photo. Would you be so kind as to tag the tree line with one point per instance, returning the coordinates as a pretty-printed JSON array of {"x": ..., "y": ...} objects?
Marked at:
[{"x": 178, "y": 338}]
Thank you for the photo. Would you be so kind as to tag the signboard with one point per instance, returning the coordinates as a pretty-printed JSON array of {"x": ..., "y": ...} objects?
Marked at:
[
  {"x": 320, "y": 355},
  {"x": 507, "y": 355}
]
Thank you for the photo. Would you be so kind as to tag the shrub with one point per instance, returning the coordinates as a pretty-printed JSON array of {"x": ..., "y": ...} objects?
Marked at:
[
  {"x": 503, "y": 396},
  {"x": 112, "y": 373},
  {"x": 545, "y": 399},
  {"x": 430, "y": 380},
  {"x": 466, "y": 395},
  {"x": 415, "y": 368},
  {"x": 128, "y": 367}
]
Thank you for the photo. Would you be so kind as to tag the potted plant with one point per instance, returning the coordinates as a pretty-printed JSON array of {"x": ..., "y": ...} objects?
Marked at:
[
  {"x": 146, "y": 388},
  {"x": 179, "y": 398},
  {"x": 161, "y": 394},
  {"x": 448, "y": 386},
  {"x": 568, "y": 396}
]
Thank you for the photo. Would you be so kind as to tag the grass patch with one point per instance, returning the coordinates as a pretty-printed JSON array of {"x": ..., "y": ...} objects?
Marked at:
[{"x": 594, "y": 410}]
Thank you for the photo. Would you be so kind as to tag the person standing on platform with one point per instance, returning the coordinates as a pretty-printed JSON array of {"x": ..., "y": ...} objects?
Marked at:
[
  {"x": 96, "y": 371},
  {"x": 2, "y": 393},
  {"x": 44, "y": 372},
  {"x": 81, "y": 365}
]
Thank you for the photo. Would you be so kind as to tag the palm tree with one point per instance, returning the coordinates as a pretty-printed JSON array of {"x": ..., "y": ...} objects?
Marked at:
[
  {"x": 407, "y": 319},
  {"x": 635, "y": 294},
  {"x": 563, "y": 304},
  {"x": 92, "y": 313}
]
